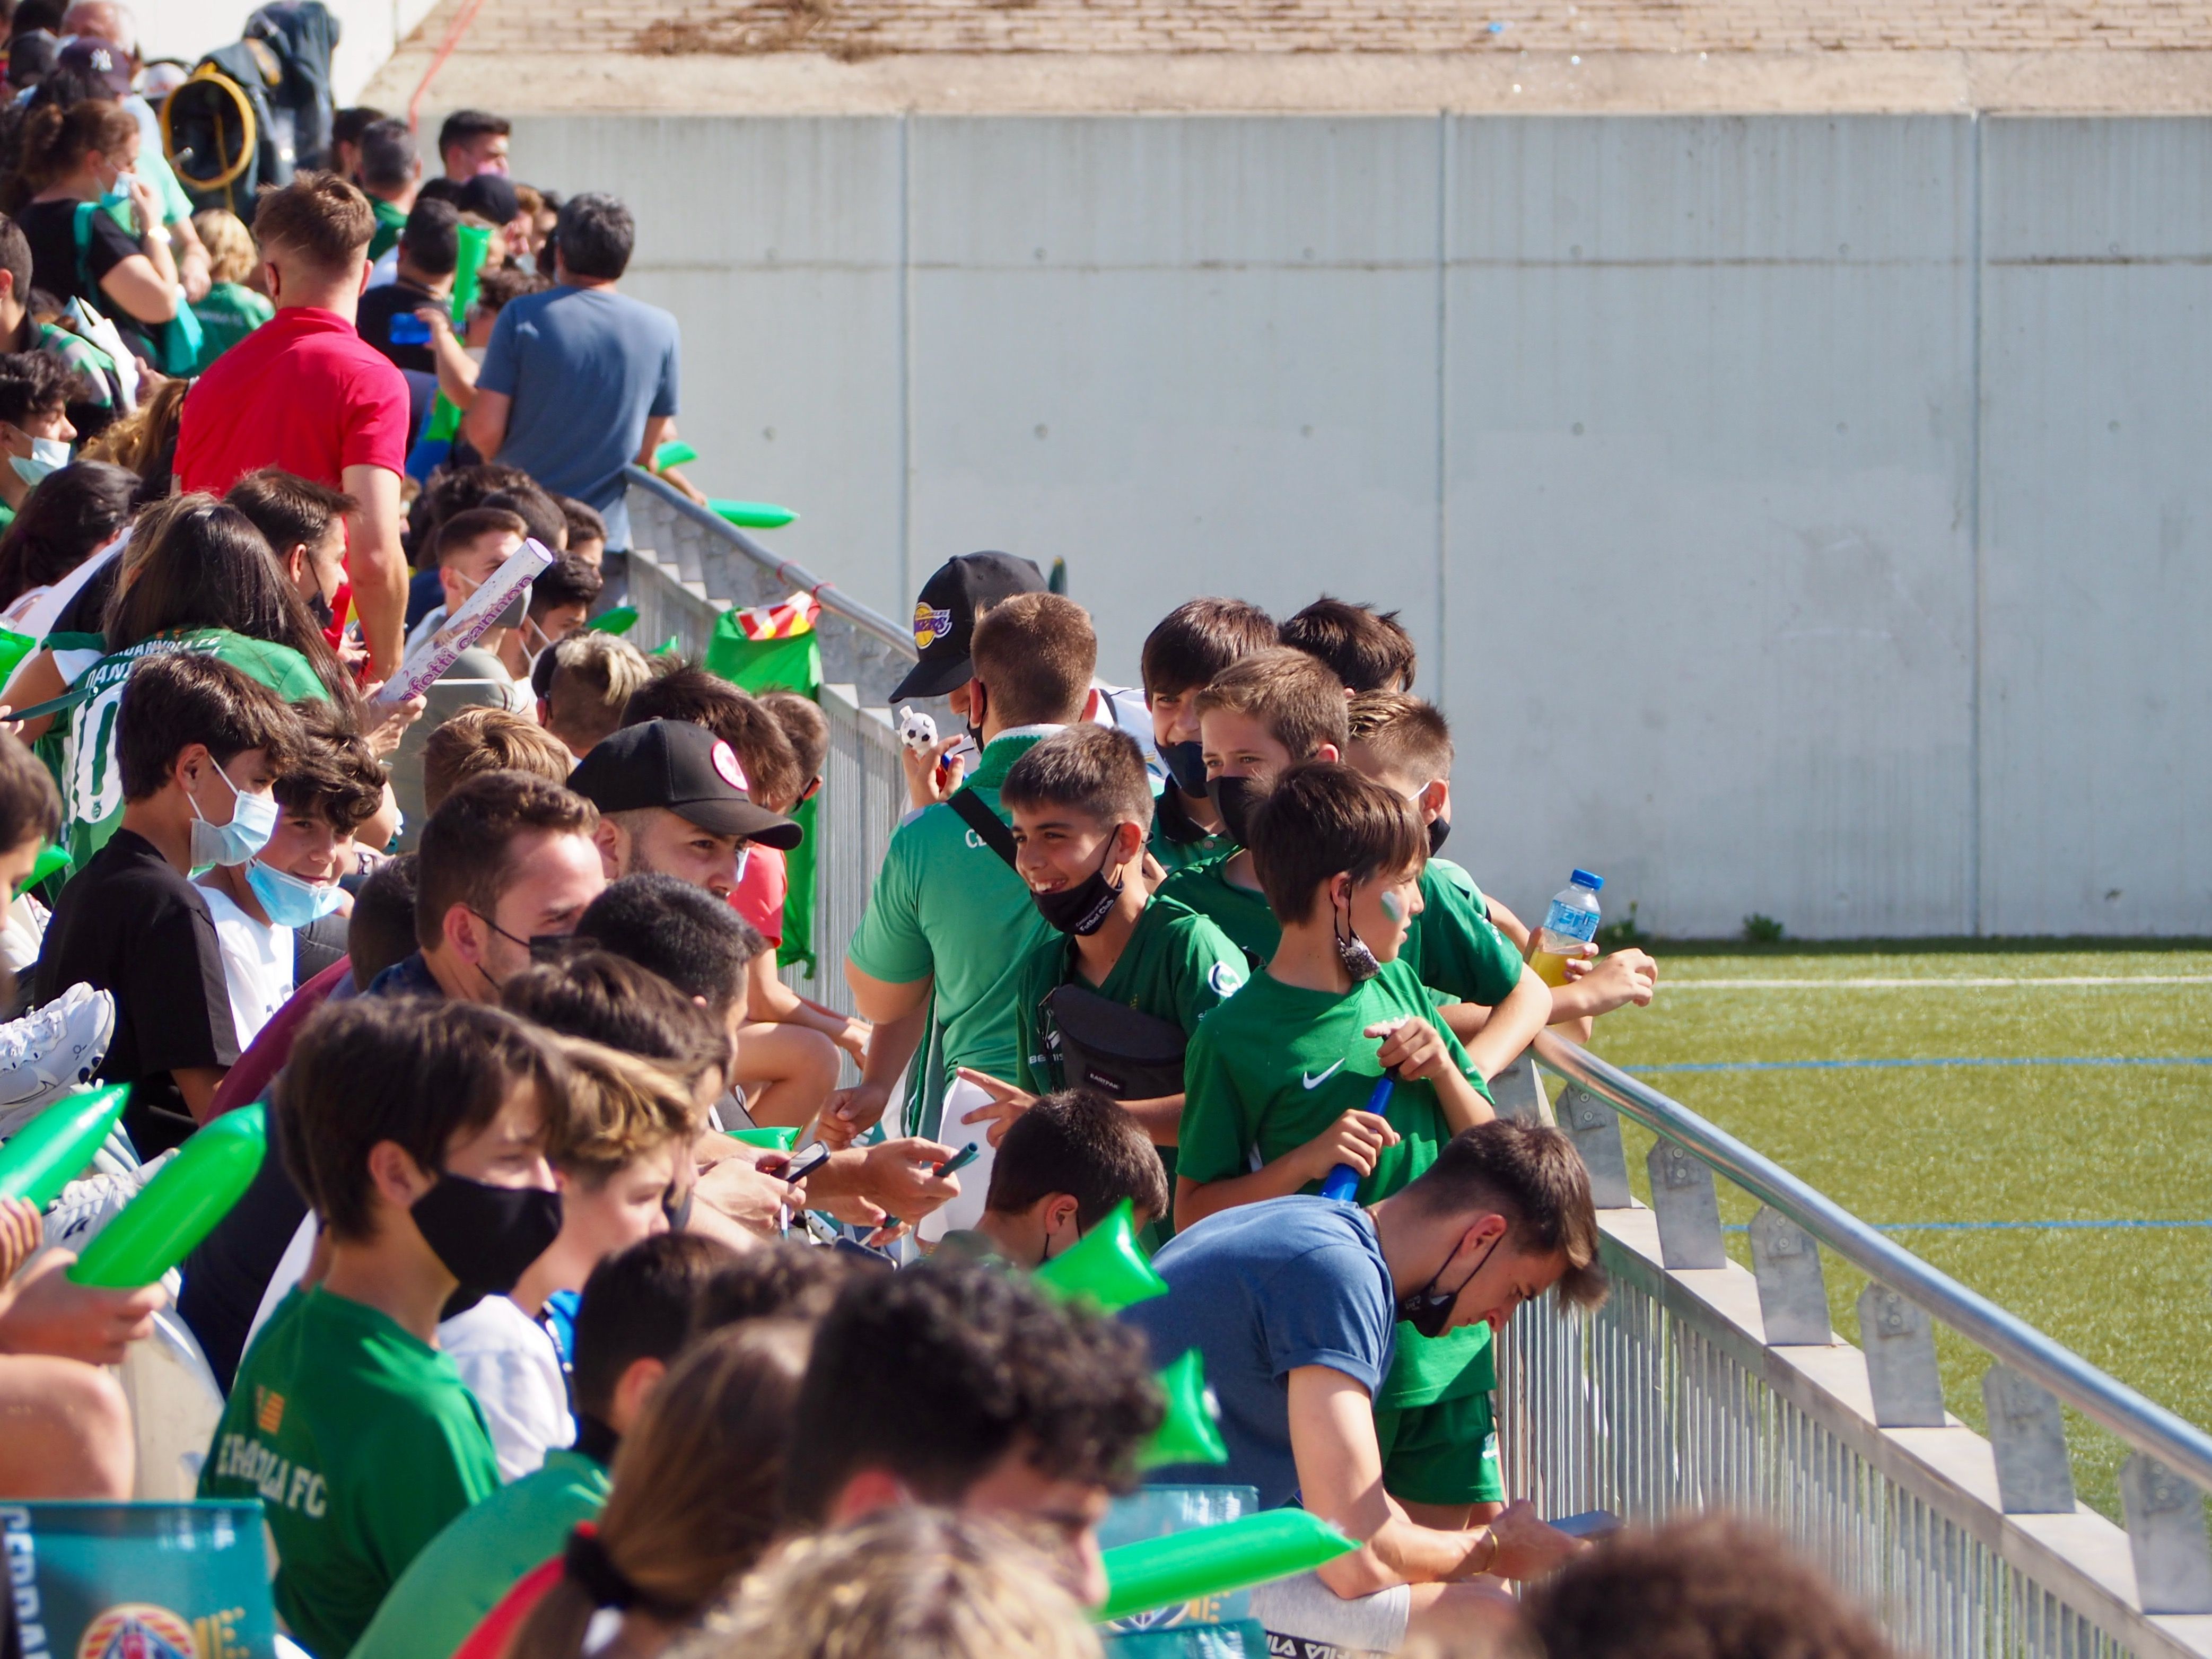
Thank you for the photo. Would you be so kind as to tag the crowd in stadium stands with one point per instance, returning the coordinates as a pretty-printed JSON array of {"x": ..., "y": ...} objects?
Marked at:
[{"x": 531, "y": 1342}]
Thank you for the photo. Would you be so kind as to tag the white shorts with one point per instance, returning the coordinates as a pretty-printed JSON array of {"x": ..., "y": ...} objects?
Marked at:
[{"x": 1303, "y": 1607}]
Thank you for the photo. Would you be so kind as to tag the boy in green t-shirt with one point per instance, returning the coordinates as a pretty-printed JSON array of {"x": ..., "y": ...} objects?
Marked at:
[
  {"x": 417, "y": 1131},
  {"x": 1081, "y": 804},
  {"x": 1282, "y": 1086},
  {"x": 1463, "y": 944},
  {"x": 1192, "y": 644}
]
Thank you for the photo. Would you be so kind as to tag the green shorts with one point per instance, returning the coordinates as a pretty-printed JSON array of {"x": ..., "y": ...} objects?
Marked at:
[{"x": 1445, "y": 1452}]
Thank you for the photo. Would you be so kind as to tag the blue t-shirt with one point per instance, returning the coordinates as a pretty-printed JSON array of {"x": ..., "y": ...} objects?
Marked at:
[
  {"x": 1260, "y": 1290},
  {"x": 587, "y": 369}
]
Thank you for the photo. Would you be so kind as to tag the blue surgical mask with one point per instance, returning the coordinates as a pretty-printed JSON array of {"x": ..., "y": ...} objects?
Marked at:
[
  {"x": 46, "y": 455},
  {"x": 289, "y": 901},
  {"x": 120, "y": 193},
  {"x": 252, "y": 820}
]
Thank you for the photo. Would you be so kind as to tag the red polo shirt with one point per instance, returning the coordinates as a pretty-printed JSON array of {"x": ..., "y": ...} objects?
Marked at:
[{"x": 303, "y": 391}]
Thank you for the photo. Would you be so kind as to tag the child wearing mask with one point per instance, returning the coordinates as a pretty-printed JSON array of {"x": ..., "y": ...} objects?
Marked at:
[
  {"x": 1110, "y": 999},
  {"x": 1330, "y": 1060},
  {"x": 291, "y": 884},
  {"x": 417, "y": 1131},
  {"x": 1192, "y": 644}
]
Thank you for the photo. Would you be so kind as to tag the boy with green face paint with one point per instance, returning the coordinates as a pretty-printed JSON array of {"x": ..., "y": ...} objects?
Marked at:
[
  {"x": 1081, "y": 805},
  {"x": 1282, "y": 1087}
]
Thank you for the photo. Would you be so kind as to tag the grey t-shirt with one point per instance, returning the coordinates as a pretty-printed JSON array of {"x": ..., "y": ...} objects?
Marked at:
[
  {"x": 1260, "y": 1290},
  {"x": 587, "y": 369}
]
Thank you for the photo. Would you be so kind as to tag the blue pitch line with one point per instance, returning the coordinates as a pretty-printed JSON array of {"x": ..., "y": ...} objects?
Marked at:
[
  {"x": 1900, "y": 1064},
  {"x": 2019, "y": 1226}
]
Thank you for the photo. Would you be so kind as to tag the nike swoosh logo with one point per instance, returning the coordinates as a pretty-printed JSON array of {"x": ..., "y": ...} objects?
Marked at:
[{"x": 1316, "y": 1082}]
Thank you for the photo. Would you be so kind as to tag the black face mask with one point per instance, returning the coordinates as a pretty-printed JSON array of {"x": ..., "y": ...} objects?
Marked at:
[
  {"x": 1234, "y": 799},
  {"x": 319, "y": 608},
  {"x": 1351, "y": 951},
  {"x": 974, "y": 722},
  {"x": 487, "y": 1236},
  {"x": 1429, "y": 1310},
  {"x": 1083, "y": 908},
  {"x": 1438, "y": 829},
  {"x": 1186, "y": 764}
]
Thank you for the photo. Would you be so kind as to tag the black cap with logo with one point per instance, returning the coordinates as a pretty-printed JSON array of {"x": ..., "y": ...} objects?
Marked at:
[
  {"x": 944, "y": 617},
  {"x": 685, "y": 768}
]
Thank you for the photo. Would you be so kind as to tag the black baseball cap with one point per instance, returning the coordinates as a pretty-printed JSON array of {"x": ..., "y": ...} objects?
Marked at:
[
  {"x": 490, "y": 196},
  {"x": 686, "y": 768},
  {"x": 945, "y": 616}
]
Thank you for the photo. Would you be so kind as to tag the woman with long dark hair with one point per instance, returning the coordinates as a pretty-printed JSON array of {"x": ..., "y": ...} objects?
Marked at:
[
  {"x": 72, "y": 514},
  {"x": 195, "y": 576}
]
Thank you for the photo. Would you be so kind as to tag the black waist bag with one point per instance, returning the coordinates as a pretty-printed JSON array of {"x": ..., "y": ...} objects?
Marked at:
[{"x": 1114, "y": 1048}]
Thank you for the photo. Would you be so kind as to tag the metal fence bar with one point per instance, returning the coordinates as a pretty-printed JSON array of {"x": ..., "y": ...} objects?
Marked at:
[
  {"x": 1672, "y": 1397},
  {"x": 2146, "y": 1425},
  {"x": 697, "y": 553}
]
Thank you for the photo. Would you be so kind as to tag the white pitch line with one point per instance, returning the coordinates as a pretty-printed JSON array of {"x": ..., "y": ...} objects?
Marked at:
[{"x": 2074, "y": 981}]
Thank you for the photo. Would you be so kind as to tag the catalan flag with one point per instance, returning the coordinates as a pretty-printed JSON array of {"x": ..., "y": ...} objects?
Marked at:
[{"x": 794, "y": 616}]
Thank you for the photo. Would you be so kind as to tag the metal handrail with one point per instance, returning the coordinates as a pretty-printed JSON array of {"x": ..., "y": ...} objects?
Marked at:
[
  {"x": 2147, "y": 1426},
  {"x": 834, "y": 599}
]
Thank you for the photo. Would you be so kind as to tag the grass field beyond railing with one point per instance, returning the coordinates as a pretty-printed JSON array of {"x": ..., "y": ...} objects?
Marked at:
[{"x": 2047, "y": 1144}]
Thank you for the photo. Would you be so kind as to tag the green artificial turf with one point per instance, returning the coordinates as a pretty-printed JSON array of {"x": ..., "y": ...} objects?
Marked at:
[{"x": 1977, "y": 1144}]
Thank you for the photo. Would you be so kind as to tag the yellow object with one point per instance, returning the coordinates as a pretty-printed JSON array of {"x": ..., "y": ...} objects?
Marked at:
[
  {"x": 1550, "y": 967},
  {"x": 208, "y": 72}
]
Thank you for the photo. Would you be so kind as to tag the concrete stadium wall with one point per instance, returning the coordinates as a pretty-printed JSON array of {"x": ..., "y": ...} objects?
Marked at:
[{"x": 1804, "y": 516}]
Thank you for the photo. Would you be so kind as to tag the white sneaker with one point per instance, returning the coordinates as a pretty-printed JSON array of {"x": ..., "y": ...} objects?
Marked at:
[
  {"x": 49, "y": 1052},
  {"x": 87, "y": 1206}
]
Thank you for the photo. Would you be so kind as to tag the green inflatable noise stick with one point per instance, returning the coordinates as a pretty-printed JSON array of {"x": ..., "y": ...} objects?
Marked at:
[
  {"x": 48, "y": 1152},
  {"x": 1188, "y": 1566},
  {"x": 675, "y": 453},
  {"x": 52, "y": 859},
  {"x": 751, "y": 516},
  {"x": 180, "y": 1206},
  {"x": 778, "y": 1140},
  {"x": 620, "y": 620},
  {"x": 1191, "y": 1432},
  {"x": 1108, "y": 1269}
]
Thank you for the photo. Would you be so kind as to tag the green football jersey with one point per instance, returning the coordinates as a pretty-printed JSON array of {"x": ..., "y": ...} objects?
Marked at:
[
  {"x": 1177, "y": 966},
  {"x": 1452, "y": 945},
  {"x": 81, "y": 748},
  {"x": 1177, "y": 840},
  {"x": 1274, "y": 1066},
  {"x": 946, "y": 906},
  {"x": 362, "y": 1441},
  {"x": 1240, "y": 912}
]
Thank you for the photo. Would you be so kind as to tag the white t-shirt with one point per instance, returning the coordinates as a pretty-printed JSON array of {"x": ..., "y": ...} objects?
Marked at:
[
  {"x": 510, "y": 1365},
  {"x": 257, "y": 963}
]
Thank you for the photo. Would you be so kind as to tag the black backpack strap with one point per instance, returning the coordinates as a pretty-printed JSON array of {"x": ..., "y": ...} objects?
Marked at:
[{"x": 985, "y": 822}]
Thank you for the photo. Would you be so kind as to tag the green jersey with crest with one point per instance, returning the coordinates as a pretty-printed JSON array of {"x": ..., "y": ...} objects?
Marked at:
[
  {"x": 81, "y": 747},
  {"x": 1274, "y": 1066}
]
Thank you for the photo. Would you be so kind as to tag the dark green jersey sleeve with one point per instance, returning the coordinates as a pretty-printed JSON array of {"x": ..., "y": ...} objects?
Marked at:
[
  {"x": 1457, "y": 950},
  {"x": 1037, "y": 1067},
  {"x": 1212, "y": 1143}
]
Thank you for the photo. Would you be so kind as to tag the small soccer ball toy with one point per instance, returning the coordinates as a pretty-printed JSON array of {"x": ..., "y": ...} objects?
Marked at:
[{"x": 916, "y": 730}]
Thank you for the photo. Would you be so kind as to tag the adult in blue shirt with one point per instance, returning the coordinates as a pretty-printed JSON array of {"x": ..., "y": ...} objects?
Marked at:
[
  {"x": 579, "y": 380},
  {"x": 1294, "y": 1304}
]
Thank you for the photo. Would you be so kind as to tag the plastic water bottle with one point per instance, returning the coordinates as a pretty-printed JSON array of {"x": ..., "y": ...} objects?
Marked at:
[{"x": 1570, "y": 924}]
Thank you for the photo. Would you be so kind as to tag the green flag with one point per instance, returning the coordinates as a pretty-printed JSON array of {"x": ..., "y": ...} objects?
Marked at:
[{"x": 776, "y": 649}]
